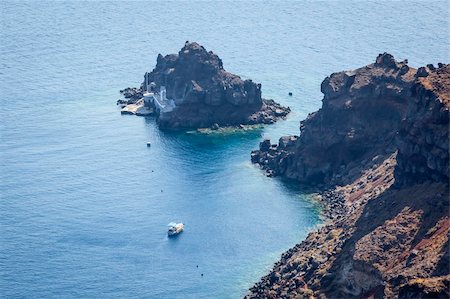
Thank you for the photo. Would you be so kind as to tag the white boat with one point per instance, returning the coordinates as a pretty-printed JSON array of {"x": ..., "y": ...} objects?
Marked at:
[{"x": 175, "y": 228}]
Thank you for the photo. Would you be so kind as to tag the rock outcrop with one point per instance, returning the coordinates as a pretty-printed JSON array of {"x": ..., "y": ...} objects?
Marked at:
[
  {"x": 424, "y": 140},
  {"x": 361, "y": 113},
  {"x": 379, "y": 146},
  {"x": 202, "y": 94},
  {"x": 137, "y": 108},
  {"x": 132, "y": 94}
]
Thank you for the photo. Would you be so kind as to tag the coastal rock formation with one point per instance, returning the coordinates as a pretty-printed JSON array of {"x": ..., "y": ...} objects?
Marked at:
[
  {"x": 424, "y": 142},
  {"x": 191, "y": 89},
  {"x": 137, "y": 108},
  {"x": 132, "y": 94},
  {"x": 361, "y": 113},
  {"x": 387, "y": 196}
]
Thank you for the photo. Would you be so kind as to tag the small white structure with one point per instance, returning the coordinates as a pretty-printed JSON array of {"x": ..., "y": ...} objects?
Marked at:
[
  {"x": 174, "y": 228},
  {"x": 162, "y": 93},
  {"x": 159, "y": 100},
  {"x": 148, "y": 98},
  {"x": 148, "y": 94},
  {"x": 162, "y": 103}
]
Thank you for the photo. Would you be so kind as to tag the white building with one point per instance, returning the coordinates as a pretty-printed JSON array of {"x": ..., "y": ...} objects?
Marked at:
[{"x": 159, "y": 100}]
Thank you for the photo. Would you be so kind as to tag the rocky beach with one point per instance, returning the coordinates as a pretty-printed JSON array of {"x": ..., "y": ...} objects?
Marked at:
[{"x": 378, "y": 153}]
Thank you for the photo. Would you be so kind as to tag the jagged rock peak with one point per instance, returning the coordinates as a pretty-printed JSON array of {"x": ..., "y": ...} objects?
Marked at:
[
  {"x": 202, "y": 93},
  {"x": 198, "y": 53},
  {"x": 386, "y": 59},
  {"x": 379, "y": 76},
  {"x": 195, "y": 75},
  {"x": 192, "y": 54}
]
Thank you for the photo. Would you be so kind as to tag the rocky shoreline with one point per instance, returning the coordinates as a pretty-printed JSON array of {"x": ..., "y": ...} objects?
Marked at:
[
  {"x": 379, "y": 148},
  {"x": 192, "y": 90}
]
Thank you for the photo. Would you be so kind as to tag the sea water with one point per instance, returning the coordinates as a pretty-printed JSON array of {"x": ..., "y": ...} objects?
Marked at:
[{"x": 84, "y": 201}]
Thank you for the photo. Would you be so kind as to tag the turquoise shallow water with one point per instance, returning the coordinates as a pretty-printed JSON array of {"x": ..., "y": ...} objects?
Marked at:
[{"x": 84, "y": 203}]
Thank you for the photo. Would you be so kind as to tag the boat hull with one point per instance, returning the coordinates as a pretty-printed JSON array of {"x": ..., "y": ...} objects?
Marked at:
[{"x": 176, "y": 230}]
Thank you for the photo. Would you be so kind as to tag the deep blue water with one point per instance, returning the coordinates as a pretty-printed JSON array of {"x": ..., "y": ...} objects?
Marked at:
[{"x": 84, "y": 202}]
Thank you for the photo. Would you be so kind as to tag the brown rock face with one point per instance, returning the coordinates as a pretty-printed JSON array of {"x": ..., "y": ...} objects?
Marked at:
[
  {"x": 423, "y": 288},
  {"x": 423, "y": 144},
  {"x": 206, "y": 94},
  {"x": 382, "y": 135},
  {"x": 359, "y": 119},
  {"x": 197, "y": 76}
]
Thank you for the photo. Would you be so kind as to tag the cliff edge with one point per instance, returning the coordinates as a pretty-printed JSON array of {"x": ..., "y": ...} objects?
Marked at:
[{"x": 378, "y": 149}]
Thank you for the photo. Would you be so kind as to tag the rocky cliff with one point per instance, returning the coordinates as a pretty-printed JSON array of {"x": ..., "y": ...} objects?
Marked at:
[
  {"x": 379, "y": 145},
  {"x": 423, "y": 142},
  {"x": 361, "y": 113},
  {"x": 205, "y": 94}
]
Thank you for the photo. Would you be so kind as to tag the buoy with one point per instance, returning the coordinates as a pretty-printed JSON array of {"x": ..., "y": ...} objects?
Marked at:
[
  {"x": 148, "y": 144},
  {"x": 290, "y": 93}
]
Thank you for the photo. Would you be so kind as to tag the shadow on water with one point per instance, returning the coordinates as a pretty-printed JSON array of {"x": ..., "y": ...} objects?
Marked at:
[
  {"x": 226, "y": 142},
  {"x": 206, "y": 139},
  {"x": 293, "y": 186},
  {"x": 215, "y": 138},
  {"x": 175, "y": 238},
  {"x": 294, "y": 189}
]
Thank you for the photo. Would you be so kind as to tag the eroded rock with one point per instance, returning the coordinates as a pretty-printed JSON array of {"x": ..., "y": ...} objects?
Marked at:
[
  {"x": 201, "y": 93},
  {"x": 380, "y": 145}
]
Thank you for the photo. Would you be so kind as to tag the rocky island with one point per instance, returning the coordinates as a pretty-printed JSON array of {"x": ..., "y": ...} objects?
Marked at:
[
  {"x": 191, "y": 89},
  {"x": 378, "y": 153}
]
